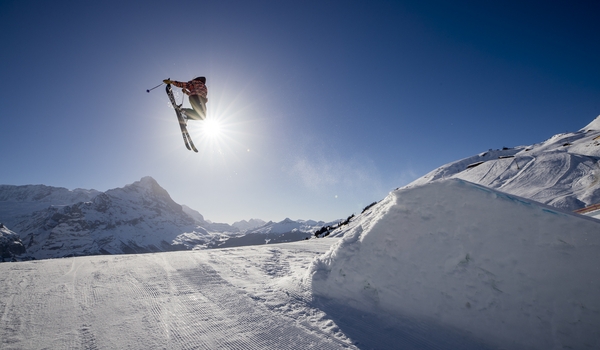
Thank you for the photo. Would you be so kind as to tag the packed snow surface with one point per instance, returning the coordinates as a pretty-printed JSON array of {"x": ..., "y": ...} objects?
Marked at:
[
  {"x": 235, "y": 298},
  {"x": 246, "y": 298},
  {"x": 509, "y": 270}
]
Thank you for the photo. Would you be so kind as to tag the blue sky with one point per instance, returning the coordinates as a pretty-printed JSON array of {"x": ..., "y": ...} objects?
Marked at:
[{"x": 324, "y": 106}]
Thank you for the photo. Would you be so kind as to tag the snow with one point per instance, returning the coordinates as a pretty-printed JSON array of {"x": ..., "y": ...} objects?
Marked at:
[
  {"x": 450, "y": 253},
  {"x": 247, "y": 298}
]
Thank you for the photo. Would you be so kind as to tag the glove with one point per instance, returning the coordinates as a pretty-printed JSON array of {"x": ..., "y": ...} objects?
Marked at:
[{"x": 168, "y": 81}]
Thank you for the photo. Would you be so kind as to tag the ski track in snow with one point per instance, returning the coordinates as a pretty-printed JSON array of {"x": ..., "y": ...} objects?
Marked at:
[{"x": 237, "y": 298}]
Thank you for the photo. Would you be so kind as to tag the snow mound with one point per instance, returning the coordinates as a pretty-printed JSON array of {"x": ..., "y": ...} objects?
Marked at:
[{"x": 509, "y": 270}]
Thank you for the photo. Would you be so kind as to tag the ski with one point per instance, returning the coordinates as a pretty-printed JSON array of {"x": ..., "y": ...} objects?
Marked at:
[{"x": 186, "y": 135}]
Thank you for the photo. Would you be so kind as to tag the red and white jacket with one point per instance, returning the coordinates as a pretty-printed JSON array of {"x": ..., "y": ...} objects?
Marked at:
[{"x": 194, "y": 87}]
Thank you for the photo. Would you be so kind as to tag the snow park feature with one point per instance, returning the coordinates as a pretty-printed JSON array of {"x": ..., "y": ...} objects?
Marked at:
[{"x": 451, "y": 254}]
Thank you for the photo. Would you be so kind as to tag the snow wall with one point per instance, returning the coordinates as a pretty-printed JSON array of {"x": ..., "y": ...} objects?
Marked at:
[{"x": 510, "y": 271}]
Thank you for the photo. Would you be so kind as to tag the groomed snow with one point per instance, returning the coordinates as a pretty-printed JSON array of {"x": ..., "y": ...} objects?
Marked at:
[
  {"x": 246, "y": 298},
  {"x": 510, "y": 271}
]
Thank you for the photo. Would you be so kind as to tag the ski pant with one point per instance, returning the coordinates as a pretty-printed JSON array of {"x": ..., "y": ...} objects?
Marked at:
[{"x": 199, "y": 108}]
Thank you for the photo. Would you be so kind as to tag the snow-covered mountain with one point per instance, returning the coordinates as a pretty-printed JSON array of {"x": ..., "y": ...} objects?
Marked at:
[
  {"x": 10, "y": 244},
  {"x": 563, "y": 171},
  {"x": 18, "y": 202},
  {"x": 287, "y": 230},
  {"x": 141, "y": 217},
  {"x": 244, "y": 225}
]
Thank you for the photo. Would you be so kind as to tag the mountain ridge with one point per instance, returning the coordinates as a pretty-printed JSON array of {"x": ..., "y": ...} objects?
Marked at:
[
  {"x": 141, "y": 217},
  {"x": 563, "y": 171}
]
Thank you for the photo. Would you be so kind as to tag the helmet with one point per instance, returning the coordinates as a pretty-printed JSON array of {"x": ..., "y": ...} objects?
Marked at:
[{"x": 202, "y": 79}]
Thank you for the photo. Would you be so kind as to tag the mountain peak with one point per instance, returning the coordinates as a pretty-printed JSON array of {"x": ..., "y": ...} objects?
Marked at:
[
  {"x": 148, "y": 182},
  {"x": 149, "y": 185}
]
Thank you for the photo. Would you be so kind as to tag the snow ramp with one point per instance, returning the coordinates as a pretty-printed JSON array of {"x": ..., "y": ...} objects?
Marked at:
[{"x": 510, "y": 271}]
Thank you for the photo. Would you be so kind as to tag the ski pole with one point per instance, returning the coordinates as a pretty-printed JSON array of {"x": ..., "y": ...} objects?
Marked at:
[{"x": 154, "y": 87}]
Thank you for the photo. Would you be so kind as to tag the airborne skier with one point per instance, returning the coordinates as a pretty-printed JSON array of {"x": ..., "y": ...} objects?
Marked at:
[{"x": 197, "y": 91}]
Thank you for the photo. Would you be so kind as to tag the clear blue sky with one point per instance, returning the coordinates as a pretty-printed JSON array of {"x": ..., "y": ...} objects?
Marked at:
[{"x": 325, "y": 106}]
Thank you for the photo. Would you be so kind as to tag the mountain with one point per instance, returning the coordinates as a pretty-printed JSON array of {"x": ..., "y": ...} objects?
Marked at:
[
  {"x": 244, "y": 225},
  {"x": 286, "y": 230},
  {"x": 140, "y": 217},
  {"x": 18, "y": 202},
  {"x": 51, "y": 222},
  {"x": 10, "y": 244},
  {"x": 563, "y": 171}
]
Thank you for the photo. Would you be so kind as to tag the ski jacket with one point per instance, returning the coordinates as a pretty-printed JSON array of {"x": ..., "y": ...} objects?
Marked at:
[{"x": 194, "y": 87}]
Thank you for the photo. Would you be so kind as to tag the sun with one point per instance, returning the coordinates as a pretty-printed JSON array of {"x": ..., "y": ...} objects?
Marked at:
[{"x": 212, "y": 128}]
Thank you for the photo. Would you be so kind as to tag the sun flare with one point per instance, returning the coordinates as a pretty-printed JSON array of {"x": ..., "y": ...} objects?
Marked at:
[{"x": 212, "y": 128}]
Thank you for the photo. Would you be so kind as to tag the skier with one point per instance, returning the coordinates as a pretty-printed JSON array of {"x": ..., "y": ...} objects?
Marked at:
[{"x": 197, "y": 91}]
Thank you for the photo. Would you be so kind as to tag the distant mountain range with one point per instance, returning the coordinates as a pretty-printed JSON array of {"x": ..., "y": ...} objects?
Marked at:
[{"x": 40, "y": 222}]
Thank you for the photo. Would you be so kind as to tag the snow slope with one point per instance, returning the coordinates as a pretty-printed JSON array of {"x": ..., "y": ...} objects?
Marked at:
[
  {"x": 563, "y": 171},
  {"x": 455, "y": 254},
  {"x": 210, "y": 299},
  {"x": 237, "y": 298}
]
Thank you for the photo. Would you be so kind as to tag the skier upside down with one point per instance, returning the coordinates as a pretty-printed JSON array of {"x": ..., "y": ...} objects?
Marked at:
[{"x": 197, "y": 91}]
